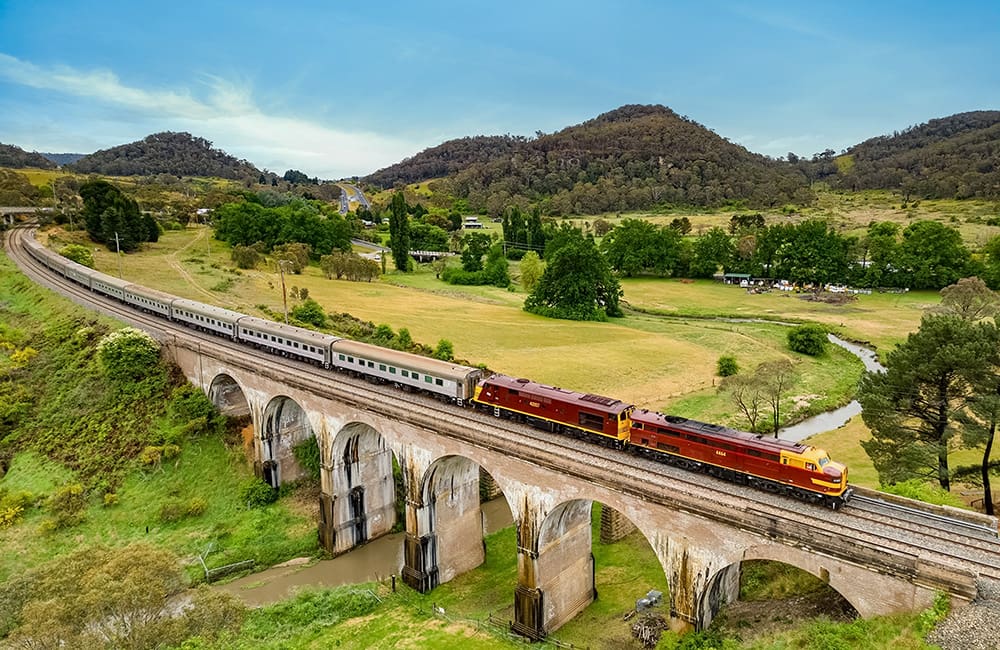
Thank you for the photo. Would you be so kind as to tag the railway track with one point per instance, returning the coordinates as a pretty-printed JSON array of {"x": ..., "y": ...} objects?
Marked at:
[{"x": 906, "y": 532}]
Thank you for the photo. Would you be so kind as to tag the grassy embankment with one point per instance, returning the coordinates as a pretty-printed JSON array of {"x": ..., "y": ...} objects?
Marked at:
[{"x": 60, "y": 404}]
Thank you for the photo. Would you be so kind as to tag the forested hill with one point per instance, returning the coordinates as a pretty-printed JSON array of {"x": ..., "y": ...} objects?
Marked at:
[
  {"x": 635, "y": 157},
  {"x": 950, "y": 157},
  {"x": 179, "y": 154},
  {"x": 446, "y": 159},
  {"x": 18, "y": 158}
]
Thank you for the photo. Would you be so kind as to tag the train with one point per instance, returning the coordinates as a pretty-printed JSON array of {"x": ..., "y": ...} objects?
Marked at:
[{"x": 783, "y": 467}]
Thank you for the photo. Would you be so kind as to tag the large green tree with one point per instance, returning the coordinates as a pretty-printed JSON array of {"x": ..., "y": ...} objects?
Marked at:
[
  {"x": 911, "y": 408},
  {"x": 932, "y": 255},
  {"x": 636, "y": 246},
  {"x": 114, "y": 219},
  {"x": 577, "y": 283},
  {"x": 399, "y": 232},
  {"x": 712, "y": 251}
]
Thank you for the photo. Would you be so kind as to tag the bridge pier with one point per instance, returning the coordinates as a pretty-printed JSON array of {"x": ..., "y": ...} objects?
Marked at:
[
  {"x": 555, "y": 569},
  {"x": 357, "y": 498},
  {"x": 444, "y": 527},
  {"x": 700, "y": 583}
]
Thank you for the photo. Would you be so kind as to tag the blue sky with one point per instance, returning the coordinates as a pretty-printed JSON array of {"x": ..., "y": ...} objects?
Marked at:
[{"x": 336, "y": 89}]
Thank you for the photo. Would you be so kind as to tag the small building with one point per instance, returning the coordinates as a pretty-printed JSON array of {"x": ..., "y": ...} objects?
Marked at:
[
  {"x": 736, "y": 278},
  {"x": 472, "y": 223}
]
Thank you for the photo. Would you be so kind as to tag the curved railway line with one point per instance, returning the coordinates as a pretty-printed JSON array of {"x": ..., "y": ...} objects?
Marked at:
[{"x": 889, "y": 536}]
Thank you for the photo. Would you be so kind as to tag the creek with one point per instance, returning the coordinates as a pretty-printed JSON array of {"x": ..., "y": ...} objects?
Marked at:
[{"x": 838, "y": 417}]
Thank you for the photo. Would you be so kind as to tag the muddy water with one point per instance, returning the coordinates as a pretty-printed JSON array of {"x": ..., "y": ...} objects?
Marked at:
[{"x": 375, "y": 560}]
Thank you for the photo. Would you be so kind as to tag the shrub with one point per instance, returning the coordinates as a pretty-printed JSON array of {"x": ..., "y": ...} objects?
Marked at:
[
  {"x": 171, "y": 511},
  {"x": 307, "y": 455},
  {"x": 255, "y": 493},
  {"x": 726, "y": 366},
  {"x": 196, "y": 506},
  {"x": 128, "y": 353},
  {"x": 110, "y": 499},
  {"x": 310, "y": 312},
  {"x": 67, "y": 505},
  {"x": 808, "y": 339},
  {"x": 445, "y": 350},
  {"x": 79, "y": 254},
  {"x": 10, "y": 515}
]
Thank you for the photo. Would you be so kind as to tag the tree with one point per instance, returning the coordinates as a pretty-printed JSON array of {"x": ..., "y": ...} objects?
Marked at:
[
  {"x": 245, "y": 257},
  {"x": 636, "y": 245},
  {"x": 747, "y": 393},
  {"x": 726, "y": 366},
  {"x": 445, "y": 350},
  {"x": 114, "y": 219},
  {"x": 979, "y": 427},
  {"x": 310, "y": 312},
  {"x": 932, "y": 255},
  {"x": 969, "y": 299},
  {"x": 911, "y": 408},
  {"x": 79, "y": 254},
  {"x": 577, "y": 283},
  {"x": 531, "y": 270},
  {"x": 808, "y": 339},
  {"x": 399, "y": 232},
  {"x": 712, "y": 251},
  {"x": 474, "y": 246},
  {"x": 775, "y": 377},
  {"x": 296, "y": 254}
]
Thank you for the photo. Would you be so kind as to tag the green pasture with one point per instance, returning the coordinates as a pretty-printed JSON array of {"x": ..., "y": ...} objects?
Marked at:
[{"x": 644, "y": 358}]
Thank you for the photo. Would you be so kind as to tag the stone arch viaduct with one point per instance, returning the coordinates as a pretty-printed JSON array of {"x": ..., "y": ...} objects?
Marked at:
[{"x": 700, "y": 540}]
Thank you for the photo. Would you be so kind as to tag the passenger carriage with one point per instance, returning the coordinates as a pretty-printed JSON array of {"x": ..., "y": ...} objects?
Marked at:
[
  {"x": 450, "y": 380},
  {"x": 287, "y": 340},
  {"x": 205, "y": 317}
]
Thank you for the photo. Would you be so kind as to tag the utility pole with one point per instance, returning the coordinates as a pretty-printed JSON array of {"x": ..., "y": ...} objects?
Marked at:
[
  {"x": 118, "y": 250},
  {"x": 284, "y": 294}
]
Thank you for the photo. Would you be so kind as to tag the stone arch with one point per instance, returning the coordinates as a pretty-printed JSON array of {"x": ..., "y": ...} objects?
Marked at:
[
  {"x": 229, "y": 397},
  {"x": 723, "y": 587},
  {"x": 284, "y": 425},
  {"x": 359, "y": 497}
]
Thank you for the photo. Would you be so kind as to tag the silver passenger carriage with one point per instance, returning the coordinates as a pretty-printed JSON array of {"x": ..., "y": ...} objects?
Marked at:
[
  {"x": 452, "y": 381},
  {"x": 206, "y": 317},
  {"x": 146, "y": 299},
  {"x": 288, "y": 340},
  {"x": 108, "y": 285}
]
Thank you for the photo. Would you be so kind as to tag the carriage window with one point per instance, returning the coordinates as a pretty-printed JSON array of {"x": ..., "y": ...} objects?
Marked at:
[
  {"x": 340, "y": 356},
  {"x": 428, "y": 379},
  {"x": 371, "y": 365},
  {"x": 381, "y": 367},
  {"x": 439, "y": 382},
  {"x": 350, "y": 359},
  {"x": 406, "y": 373},
  {"x": 392, "y": 371}
]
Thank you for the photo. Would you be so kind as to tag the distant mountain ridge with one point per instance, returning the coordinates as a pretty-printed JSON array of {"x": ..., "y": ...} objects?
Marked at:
[
  {"x": 179, "y": 154},
  {"x": 63, "y": 158},
  {"x": 18, "y": 158}
]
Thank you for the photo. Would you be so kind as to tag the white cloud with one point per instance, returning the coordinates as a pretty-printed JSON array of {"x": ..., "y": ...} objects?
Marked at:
[{"x": 228, "y": 116}]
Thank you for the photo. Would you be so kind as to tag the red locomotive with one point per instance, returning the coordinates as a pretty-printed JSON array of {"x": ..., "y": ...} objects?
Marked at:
[
  {"x": 556, "y": 409},
  {"x": 779, "y": 466}
]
